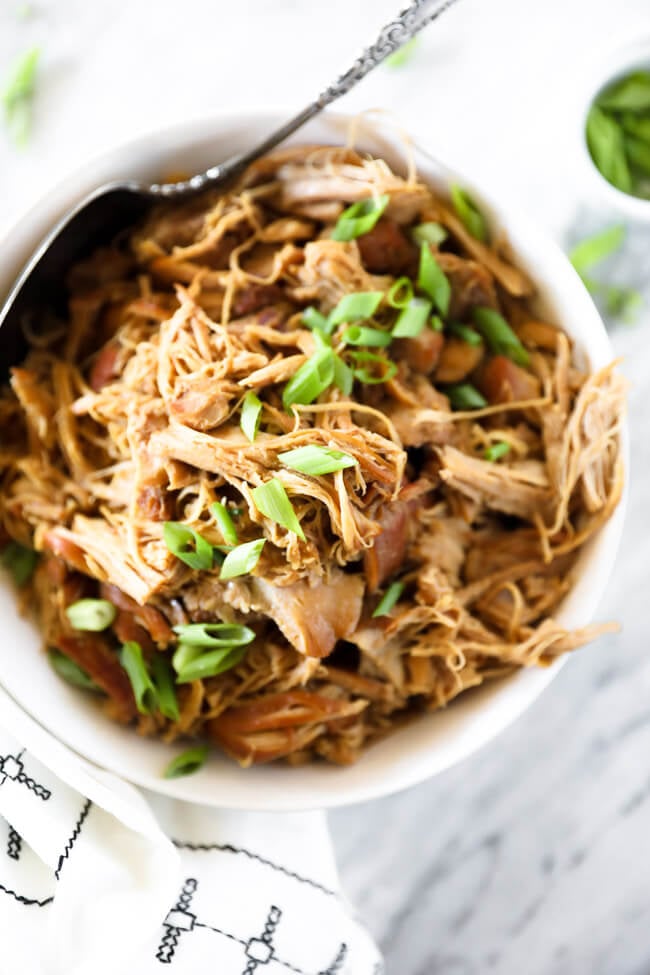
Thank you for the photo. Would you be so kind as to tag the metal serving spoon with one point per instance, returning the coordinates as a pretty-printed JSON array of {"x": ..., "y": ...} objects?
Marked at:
[{"x": 115, "y": 206}]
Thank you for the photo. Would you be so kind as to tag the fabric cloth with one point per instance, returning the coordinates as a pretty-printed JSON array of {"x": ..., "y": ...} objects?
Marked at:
[{"x": 99, "y": 877}]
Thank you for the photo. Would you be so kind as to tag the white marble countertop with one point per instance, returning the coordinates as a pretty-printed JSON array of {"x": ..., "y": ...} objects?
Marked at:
[{"x": 532, "y": 855}]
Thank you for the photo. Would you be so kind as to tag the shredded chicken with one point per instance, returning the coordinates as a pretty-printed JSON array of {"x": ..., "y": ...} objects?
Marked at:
[{"x": 434, "y": 561}]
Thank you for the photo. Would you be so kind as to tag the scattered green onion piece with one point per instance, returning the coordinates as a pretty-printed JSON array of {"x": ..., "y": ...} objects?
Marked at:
[
  {"x": 464, "y": 396},
  {"x": 146, "y": 698},
  {"x": 18, "y": 93},
  {"x": 315, "y": 460},
  {"x": 19, "y": 561},
  {"x": 343, "y": 376},
  {"x": 225, "y": 523},
  {"x": 71, "y": 672},
  {"x": 465, "y": 332},
  {"x": 499, "y": 336},
  {"x": 93, "y": 615},
  {"x": 313, "y": 319},
  {"x": 242, "y": 560},
  {"x": 389, "y": 599},
  {"x": 468, "y": 213},
  {"x": 402, "y": 55},
  {"x": 165, "y": 690},
  {"x": 605, "y": 142},
  {"x": 631, "y": 94},
  {"x": 436, "y": 323},
  {"x": 400, "y": 293},
  {"x": 433, "y": 281},
  {"x": 597, "y": 247},
  {"x": 184, "y": 654},
  {"x": 623, "y": 302},
  {"x": 497, "y": 450},
  {"x": 362, "y": 335},
  {"x": 214, "y": 635},
  {"x": 210, "y": 664},
  {"x": 412, "y": 319},
  {"x": 638, "y": 154},
  {"x": 359, "y": 218},
  {"x": 188, "y": 546},
  {"x": 355, "y": 307},
  {"x": 251, "y": 412},
  {"x": 312, "y": 378},
  {"x": 188, "y": 762},
  {"x": 272, "y": 500},
  {"x": 429, "y": 233},
  {"x": 633, "y": 125},
  {"x": 363, "y": 371}
]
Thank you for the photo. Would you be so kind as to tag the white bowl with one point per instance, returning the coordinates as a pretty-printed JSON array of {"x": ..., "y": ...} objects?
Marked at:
[
  {"x": 429, "y": 743},
  {"x": 625, "y": 55}
]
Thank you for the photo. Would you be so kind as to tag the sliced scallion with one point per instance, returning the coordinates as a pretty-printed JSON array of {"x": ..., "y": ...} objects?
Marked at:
[
  {"x": 597, "y": 247},
  {"x": 224, "y": 522},
  {"x": 412, "y": 319},
  {"x": 464, "y": 396},
  {"x": 468, "y": 213},
  {"x": 359, "y": 218},
  {"x": 251, "y": 411},
  {"x": 499, "y": 336},
  {"x": 313, "y": 319},
  {"x": 630, "y": 94},
  {"x": 355, "y": 307},
  {"x": 343, "y": 376},
  {"x": 366, "y": 365},
  {"x": 464, "y": 332},
  {"x": 19, "y": 561},
  {"x": 403, "y": 54},
  {"x": 433, "y": 281},
  {"x": 436, "y": 323},
  {"x": 93, "y": 615},
  {"x": 429, "y": 233},
  {"x": 272, "y": 501},
  {"x": 389, "y": 599},
  {"x": 188, "y": 762},
  {"x": 400, "y": 293},
  {"x": 315, "y": 460},
  {"x": 605, "y": 142},
  {"x": 362, "y": 335},
  {"x": 242, "y": 559},
  {"x": 496, "y": 450},
  {"x": 18, "y": 93},
  {"x": 71, "y": 672},
  {"x": 188, "y": 546},
  {"x": 146, "y": 698},
  {"x": 165, "y": 691},
  {"x": 312, "y": 378},
  {"x": 210, "y": 664},
  {"x": 214, "y": 635}
]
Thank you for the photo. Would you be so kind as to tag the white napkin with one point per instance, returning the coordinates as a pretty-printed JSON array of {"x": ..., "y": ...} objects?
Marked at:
[{"x": 97, "y": 877}]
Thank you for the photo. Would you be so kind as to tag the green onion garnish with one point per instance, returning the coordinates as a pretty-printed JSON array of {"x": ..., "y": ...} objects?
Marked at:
[
  {"x": 433, "y": 281},
  {"x": 362, "y": 335},
  {"x": 214, "y": 635},
  {"x": 403, "y": 54},
  {"x": 18, "y": 93},
  {"x": 224, "y": 522},
  {"x": 188, "y": 762},
  {"x": 412, "y": 319},
  {"x": 400, "y": 293},
  {"x": 343, "y": 376},
  {"x": 184, "y": 654},
  {"x": 389, "y": 599},
  {"x": 497, "y": 450},
  {"x": 164, "y": 683},
  {"x": 464, "y": 396},
  {"x": 19, "y": 561},
  {"x": 272, "y": 500},
  {"x": 188, "y": 546},
  {"x": 597, "y": 247},
  {"x": 436, "y": 323},
  {"x": 93, "y": 615},
  {"x": 605, "y": 142},
  {"x": 429, "y": 233},
  {"x": 465, "y": 332},
  {"x": 355, "y": 307},
  {"x": 365, "y": 366},
  {"x": 636, "y": 126},
  {"x": 499, "y": 336},
  {"x": 71, "y": 672},
  {"x": 315, "y": 460},
  {"x": 631, "y": 94},
  {"x": 251, "y": 411},
  {"x": 312, "y": 378},
  {"x": 313, "y": 319},
  {"x": 242, "y": 560},
  {"x": 146, "y": 698},
  {"x": 468, "y": 213},
  {"x": 210, "y": 664},
  {"x": 359, "y": 218}
]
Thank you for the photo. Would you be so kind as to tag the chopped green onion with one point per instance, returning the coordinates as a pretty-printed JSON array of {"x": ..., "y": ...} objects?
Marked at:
[
  {"x": 251, "y": 412},
  {"x": 19, "y": 561},
  {"x": 436, "y": 323},
  {"x": 638, "y": 153},
  {"x": 343, "y": 376},
  {"x": 188, "y": 762},
  {"x": 18, "y": 93},
  {"x": 361, "y": 335},
  {"x": 464, "y": 396},
  {"x": 633, "y": 125},
  {"x": 185, "y": 653},
  {"x": 188, "y": 546},
  {"x": 465, "y": 332},
  {"x": 605, "y": 142},
  {"x": 355, "y": 307},
  {"x": 400, "y": 293},
  {"x": 71, "y": 672},
  {"x": 210, "y": 664},
  {"x": 164, "y": 684},
  {"x": 402, "y": 55},
  {"x": 214, "y": 635},
  {"x": 497, "y": 450},
  {"x": 468, "y": 213},
  {"x": 389, "y": 599},
  {"x": 597, "y": 247},
  {"x": 499, "y": 336},
  {"x": 429, "y": 233},
  {"x": 412, "y": 319},
  {"x": 631, "y": 94},
  {"x": 433, "y": 281},
  {"x": 359, "y": 218},
  {"x": 146, "y": 698},
  {"x": 312, "y": 378},
  {"x": 315, "y": 460},
  {"x": 364, "y": 371},
  {"x": 624, "y": 302},
  {"x": 272, "y": 500},
  {"x": 313, "y": 319},
  {"x": 242, "y": 559},
  {"x": 93, "y": 615},
  {"x": 225, "y": 523}
]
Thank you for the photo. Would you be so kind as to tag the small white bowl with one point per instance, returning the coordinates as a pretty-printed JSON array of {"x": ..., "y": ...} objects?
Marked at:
[
  {"x": 628, "y": 55},
  {"x": 428, "y": 744}
]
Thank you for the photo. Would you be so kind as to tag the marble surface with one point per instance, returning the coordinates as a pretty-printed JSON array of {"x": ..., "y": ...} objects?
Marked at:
[{"x": 532, "y": 856}]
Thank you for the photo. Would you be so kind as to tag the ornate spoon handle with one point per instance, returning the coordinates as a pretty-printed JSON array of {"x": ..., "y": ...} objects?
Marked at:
[{"x": 391, "y": 37}]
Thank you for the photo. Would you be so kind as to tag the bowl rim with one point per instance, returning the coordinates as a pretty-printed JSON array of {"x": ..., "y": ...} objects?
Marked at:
[{"x": 336, "y": 789}]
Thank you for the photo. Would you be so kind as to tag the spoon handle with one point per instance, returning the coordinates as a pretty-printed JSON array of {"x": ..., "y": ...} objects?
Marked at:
[{"x": 390, "y": 38}]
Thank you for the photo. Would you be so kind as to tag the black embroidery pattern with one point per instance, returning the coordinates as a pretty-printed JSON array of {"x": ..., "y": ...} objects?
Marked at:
[
  {"x": 12, "y": 769},
  {"x": 73, "y": 837},
  {"x": 14, "y": 844},
  {"x": 27, "y": 901},
  {"x": 178, "y": 920}
]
